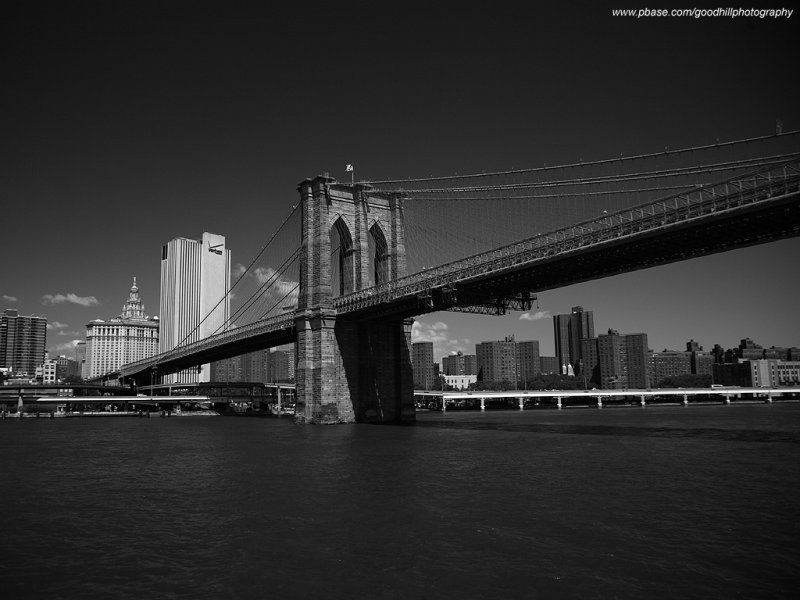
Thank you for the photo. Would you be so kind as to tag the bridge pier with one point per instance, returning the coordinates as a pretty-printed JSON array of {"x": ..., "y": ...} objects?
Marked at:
[
  {"x": 641, "y": 400},
  {"x": 599, "y": 402},
  {"x": 483, "y": 404},
  {"x": 558, "y": 402},
  {"x": 353, "y": 371}
]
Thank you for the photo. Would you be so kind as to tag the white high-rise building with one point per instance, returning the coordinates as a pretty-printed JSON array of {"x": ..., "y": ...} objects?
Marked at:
[
  {"x": 194, "y": 304},
  {"x": 124, "y": 339}
]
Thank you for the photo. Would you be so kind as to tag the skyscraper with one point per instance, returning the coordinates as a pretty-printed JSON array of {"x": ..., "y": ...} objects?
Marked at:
[
  {"x": 129, "y": 337},
  {"x": 194, "y": 304},
  {"x": 561, "y": 336},
  {"x": 22, "y": 342},
  {"x": 569, "y": 330}
]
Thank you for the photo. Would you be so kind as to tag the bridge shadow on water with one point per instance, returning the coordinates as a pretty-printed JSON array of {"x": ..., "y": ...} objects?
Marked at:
[{"x": 700, "y": 433}]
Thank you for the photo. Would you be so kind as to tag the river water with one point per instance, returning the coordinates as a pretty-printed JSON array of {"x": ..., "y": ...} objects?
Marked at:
[{"x": 659, "y": 502}]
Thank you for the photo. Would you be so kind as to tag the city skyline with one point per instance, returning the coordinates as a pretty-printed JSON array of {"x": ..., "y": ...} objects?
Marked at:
[{"x": 128, "y": 128}]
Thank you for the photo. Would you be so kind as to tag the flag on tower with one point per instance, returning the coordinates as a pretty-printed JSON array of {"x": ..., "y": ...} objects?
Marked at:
[{"x": 348, "y": 168}]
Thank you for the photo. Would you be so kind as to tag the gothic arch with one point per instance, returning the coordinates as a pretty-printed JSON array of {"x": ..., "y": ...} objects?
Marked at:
[
  {"x": 342, "y": 259},
  {"x": 378, "y": 255}
]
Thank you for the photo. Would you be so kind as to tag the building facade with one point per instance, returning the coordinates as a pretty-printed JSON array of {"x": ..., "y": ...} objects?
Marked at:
[
  {"x": 460, "y": 382},
  {"x": 22, "y": 342},
  {"x": 548, "y": 365},
  {"x": 623, "y": 360},
  {"x": 129, "y": 337},
  {"x": 280, "y": 364},
  {"x": 422, "y": 365},
  {"x": 460, "y": 364},
  {"x": 194, "y": 301},
  {"x": 254, "y": 366},
  {"x": 702, "y": 363},
  {"x": 50, "y": 371},
  {"x": 771, "y": 372},
  {"x": 497, "y": 361},
  {"x": 668, "y": 363},
  {"x": 569, "y": 330},
  {"x": 528, "y": 365}
]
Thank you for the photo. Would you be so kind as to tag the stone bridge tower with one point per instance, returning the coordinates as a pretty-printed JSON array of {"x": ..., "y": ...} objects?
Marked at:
[{"x": 350, "y": 369}]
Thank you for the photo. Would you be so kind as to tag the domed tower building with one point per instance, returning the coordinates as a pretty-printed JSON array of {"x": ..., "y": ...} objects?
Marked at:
[{"x": 129, "y": 337}]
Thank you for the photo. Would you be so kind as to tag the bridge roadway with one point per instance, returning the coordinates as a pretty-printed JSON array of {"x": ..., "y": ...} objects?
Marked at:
[
  {"x": 561, "y": 397},
  {"x": 742, "y": 211}
]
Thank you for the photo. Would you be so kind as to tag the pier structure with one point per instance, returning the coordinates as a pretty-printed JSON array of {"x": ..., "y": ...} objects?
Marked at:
[{"x": 560, "y": 399}]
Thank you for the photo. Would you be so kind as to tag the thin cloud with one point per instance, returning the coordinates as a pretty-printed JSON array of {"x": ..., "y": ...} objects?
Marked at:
[
  {"x": 65, "y": 346},
  {"x": 53, "y": 299},
  {"x": 9, "y": 298},
  {"x": 537, "y": 316},
  {"x": 438, "y": 334},
  {"x": 57, "y": 325},
  {"x": 238, "y": 270}
]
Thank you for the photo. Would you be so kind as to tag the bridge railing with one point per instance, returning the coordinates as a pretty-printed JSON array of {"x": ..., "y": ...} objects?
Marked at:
[
  {"x": 276, "y": 323},
  {"x": 677, "y": 208}
]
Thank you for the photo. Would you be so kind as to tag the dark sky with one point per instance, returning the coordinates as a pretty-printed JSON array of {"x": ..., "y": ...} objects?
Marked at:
[{"x": 125, "y": 124}]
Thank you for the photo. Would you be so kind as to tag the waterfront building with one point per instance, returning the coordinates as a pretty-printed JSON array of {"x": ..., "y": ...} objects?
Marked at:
[
  {"x": 22, "y": 342},
  {"x": 637, "y": 360},
  {"x": 260, "y": 366},
  {"x": 528, "y": 365},
  {"x": 561, "y": 335},
  {"x": 692, "y": 346},
  {"x": 422, "y": 365},
  {"x": 771, "y": 372},
  {"x": 613, "y": 360},
  {"x": 569, "y": 330},
  {"x": 194, "y": 303},
  {"x": 749, "y": 350},
  {"x": 702, "y": 363},
  {"x": 123, "y": 339},
  {"x": 460, "y": 364},
  {"x": 227, "y": 369},
  {"x": 733, "y": 374},
  {"x": 66, "y": 367},
  {"x": 669, "y": 363},
  {"x": 590, "y": 363},
  {"x": 548, "y": 365},
  {"x": 80, "y": 357},
  {"x": 254, "y": 366},
  {"x": 780, "y": 353},
  {"x": 280, "y": 365},
  {"x": 497, "y": 361},
  {"x": 49, "y": 371},
  {"x": 460, "y": 382},
  {"x": 623, "y": 360}
]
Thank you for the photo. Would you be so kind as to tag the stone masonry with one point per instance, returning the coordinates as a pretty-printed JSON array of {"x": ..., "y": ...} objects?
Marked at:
[{"x": 350, "y": 370}]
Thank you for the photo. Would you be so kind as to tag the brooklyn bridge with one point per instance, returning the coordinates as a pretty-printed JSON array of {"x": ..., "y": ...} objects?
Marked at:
[{"x": 352, "y": 263}]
